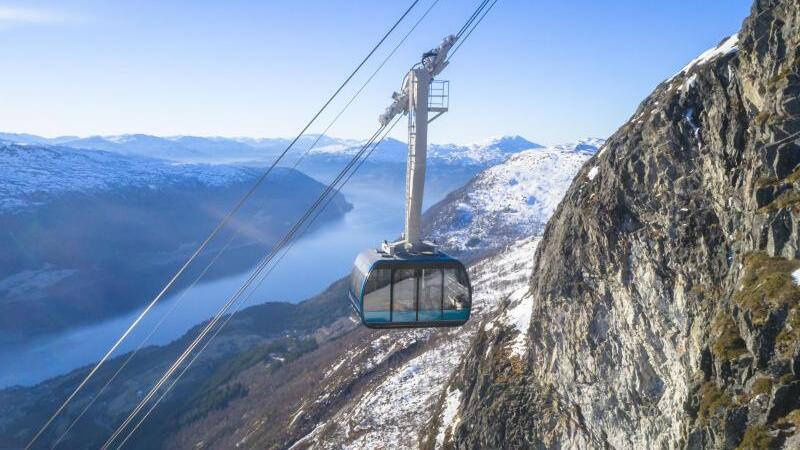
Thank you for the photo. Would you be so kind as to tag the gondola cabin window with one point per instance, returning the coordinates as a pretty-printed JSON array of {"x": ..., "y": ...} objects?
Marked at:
[
  {"x": 389, "y": 291},
  {"x": 404, "y": 293},
  {"x": 377, "y": 296}
]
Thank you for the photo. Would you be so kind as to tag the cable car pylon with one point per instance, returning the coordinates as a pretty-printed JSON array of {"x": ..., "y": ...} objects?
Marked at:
[{"x": 410, "y": 283}]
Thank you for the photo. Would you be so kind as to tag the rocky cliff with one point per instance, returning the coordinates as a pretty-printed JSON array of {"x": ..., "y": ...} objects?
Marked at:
[{"x": 663, "y": 311}]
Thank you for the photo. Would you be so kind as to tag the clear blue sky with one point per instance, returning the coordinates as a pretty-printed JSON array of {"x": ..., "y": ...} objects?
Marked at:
[{"x": 551, "y": 71}]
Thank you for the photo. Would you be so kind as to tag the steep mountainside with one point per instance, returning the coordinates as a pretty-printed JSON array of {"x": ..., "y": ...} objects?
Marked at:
[
  {"x": 663, "y": 312},
  {"x": 508, "y": 201},
  {"x": 89, "y": 234}
]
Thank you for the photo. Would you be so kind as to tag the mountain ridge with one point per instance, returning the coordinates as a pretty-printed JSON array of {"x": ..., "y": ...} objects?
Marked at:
[{"x": 227, "y": 150}]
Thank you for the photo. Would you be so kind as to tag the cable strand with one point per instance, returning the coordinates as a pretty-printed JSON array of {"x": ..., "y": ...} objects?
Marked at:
[
  {"x": 212, "y": 235},
  {"x": 285, "y": 251},
  {"x": 227, "y": 305},
  {"x": 461, "y": 41}
]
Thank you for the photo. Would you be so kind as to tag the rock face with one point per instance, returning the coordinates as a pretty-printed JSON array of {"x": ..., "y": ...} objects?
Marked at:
[{"x": 663, "y": 313}]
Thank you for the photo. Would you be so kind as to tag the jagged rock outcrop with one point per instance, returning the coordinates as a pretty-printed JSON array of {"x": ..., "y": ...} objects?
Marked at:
[{"x": 664, "y": 312}]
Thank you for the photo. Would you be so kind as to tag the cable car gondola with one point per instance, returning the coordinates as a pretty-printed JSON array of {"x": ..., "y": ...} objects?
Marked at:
[
  {"x": 410, "y": 283},
  {"x": 404, "y": 290}
]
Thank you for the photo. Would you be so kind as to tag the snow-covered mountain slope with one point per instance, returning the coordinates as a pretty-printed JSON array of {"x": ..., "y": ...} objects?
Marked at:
[
  {"x": 29, "y": 173},
  {"x": 507, "y": 201},
  {"x": 396, "y": 409}
]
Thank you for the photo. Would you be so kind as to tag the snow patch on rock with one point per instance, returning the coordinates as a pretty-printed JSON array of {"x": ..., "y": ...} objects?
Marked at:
[
  {"x": 796, "y": 277},
  {"x": 449, "y": 418},
  {"x": 727, "y": 46},
  {"x": 518, "y": 317}
]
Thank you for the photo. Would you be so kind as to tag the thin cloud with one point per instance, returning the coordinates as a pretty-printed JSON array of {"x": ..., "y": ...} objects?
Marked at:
[{"x": 10, "y": 15}]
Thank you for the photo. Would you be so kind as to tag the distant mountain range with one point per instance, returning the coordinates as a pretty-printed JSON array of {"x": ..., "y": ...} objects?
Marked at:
[
  {"x": 32, "y": 174},
  {"x": 230, "y": 150}
]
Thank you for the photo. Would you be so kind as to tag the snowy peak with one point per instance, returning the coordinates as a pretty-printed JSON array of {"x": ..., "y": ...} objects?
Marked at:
[
  {"x": 493, "y": 151},
  {"x": 508, "y": 201},
  {"x": 587, "y": 145},
  {"x": 727, "y": 46},
  {"x": 508, "y": 144}
]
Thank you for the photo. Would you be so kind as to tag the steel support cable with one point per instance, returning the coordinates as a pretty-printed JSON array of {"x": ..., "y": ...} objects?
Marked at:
[
  {"x": 299, "y": 160},
  {"x": 258, "y": 284},
  {"x": 482, "y": 16},
  {"x": 268, "y": 257},
  {"x": 213, "y": 234},
  {"x": 461, "y": 41},
  {"x": 471, "y": 18},
  {"x": 243, "y": 288},
  {"x": 363, "y": 86},
  {"x": 141, "y": 344}
]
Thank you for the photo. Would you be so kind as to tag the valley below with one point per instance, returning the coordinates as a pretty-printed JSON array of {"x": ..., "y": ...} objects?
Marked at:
[{"x": 139, "y": 222}]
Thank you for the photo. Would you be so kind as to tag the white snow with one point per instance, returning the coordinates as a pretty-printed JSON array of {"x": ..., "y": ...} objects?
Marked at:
[
  {"x": 518, "y": 316},
  {"x": 29, "y": 173},
  {"x": 448, "y": 418},
  {"x": 390, "y": 414},
  {"x": 689, "y": 118},
  {"x": 726, "y": 47},
  {"x": 512, "y": 199},
  {"x": 690, "y": 83},
  {"x": 593, "y": 172},
  {"x": 796, "y": 277},
  {"x": 295, "y": 417}
]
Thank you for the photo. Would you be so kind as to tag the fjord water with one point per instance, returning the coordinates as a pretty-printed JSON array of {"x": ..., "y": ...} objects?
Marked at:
[{"x": 316, "y": 260}]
